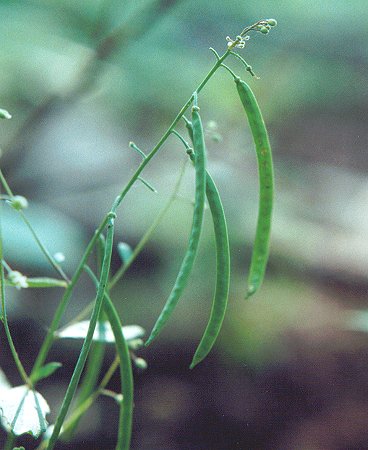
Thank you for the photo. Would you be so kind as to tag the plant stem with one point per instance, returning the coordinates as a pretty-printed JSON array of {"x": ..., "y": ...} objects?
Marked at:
[
  {"x": 83, "y": 407},
  {"x": 95, "y": 357},
  {"x": 126, "y": 373},
  {"x": 42, "y": 247},
  {"x": 4, "y": 318},
  {"x": 141, "y": 244},
  {"x": 65, "y": 299},
  {"x": 147, "y": 235},
  {"x": 92, "y": 325},
  {"x": 170, "y": 129},
  {"x": 122, "y": 195}
]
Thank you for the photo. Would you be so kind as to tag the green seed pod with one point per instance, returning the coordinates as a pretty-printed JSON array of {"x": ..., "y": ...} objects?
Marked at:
[
  {"x": 220, "y": 299},
  {"x": 197, "y": 222},
  {"x": 266, "y": 178}
]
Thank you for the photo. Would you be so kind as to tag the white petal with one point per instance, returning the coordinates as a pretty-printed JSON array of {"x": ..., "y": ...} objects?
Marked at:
[
  {"x": 103, "y": 332},
  {"x": 23, "y": 411}
]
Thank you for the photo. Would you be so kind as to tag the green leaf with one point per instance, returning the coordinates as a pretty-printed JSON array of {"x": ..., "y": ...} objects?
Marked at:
[
  {"x": 19, "y": 448},
  {"x": 23, "y": 411},
  {"x": 125, "y": 251},
  {"x": 103, "y": 332},
  {"x": 46, "y": 371}
]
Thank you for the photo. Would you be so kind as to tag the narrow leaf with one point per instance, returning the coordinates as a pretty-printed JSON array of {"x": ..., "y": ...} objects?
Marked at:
[{"x": 46, "y": 371}]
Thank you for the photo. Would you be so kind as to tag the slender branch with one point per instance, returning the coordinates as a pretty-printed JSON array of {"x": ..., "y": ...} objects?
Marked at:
[
  {"x": 92, "y": 325},
  {"x": 44, "y": 250},
  {"x": 65, "y": 300},
  {"x": 147, "y": 235},
  {"x": 126, "y": 373},
  {"x": 88, "y": 402},
  {"x": 167, "y": 133},
  {"x": 4, "y": 318}
]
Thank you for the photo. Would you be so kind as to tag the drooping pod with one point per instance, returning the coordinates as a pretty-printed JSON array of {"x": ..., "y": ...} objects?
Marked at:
[
  {"x": 220, "y": 299},
  {"x": 188, "y": 261},
  {"x": 266, "y": 187}
]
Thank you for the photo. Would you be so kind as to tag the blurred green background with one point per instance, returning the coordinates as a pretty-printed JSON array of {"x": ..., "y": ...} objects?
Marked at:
[{"x": 290, "y": 368}]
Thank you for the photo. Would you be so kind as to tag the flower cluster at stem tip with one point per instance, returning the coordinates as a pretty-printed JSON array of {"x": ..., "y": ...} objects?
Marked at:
[{"x": 262, "y": 26}]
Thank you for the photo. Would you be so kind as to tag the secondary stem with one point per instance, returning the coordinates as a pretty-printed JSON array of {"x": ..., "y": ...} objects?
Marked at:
[
  {"x": 65, "y": 300},
  {"x": 92, "y": 325},
  {"x": 171, "y": 127},
  {"x": 17, "y": 361},
  {"x": 120, "y": 273},
  {"x": 61, "y": 308},
  {"x": 42, "y": 247}
]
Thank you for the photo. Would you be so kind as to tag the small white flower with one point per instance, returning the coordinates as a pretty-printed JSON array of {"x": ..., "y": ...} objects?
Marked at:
[
  {"x": 18, "y": 202},
  {"x": 59, "y": 257},
  {"x": 18, "y": 279},
  {"x": 239, "y": 42}
]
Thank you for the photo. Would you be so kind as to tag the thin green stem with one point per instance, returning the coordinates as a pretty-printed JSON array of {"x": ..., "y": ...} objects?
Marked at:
[
  {"x": 95, "y": 357},
  {"x": 215, "y": 53},
  {"x": 5, "y": 184},
  {"x": 65, "y": 299},
  {"x": 147, "y": 184},
  {"x": 180, "y": 137},
  {"x": 137, "y": 149},
  {"x": 92, "y": 325},
  {"x": 6, "y": 266},
  {"x": 147, "y": 235},
  {"x": 61, "y": 308},
  {"x": 167, "y": 133},
  {"x": 13, "y": 350},
  {"x": 90, "y": 378},
  {"x": 248, "y": 68},
  {"x": 42, "y": 247},
  {"x": 139, "y": 247},
  {"x": 82, "y": 408},
  {"x": 229, "y": 70},
  {"x": 126, "y": 373},
  {"x": 44, "y": 250}
]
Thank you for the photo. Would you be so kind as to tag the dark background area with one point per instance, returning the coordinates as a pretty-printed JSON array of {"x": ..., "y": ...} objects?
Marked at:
[{"x": 289, "y": 370}]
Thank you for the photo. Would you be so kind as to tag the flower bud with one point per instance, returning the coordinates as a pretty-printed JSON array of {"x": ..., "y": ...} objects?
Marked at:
[
  {"x": 18, "y": 202},
  {"x": 140, "y": 363}
]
